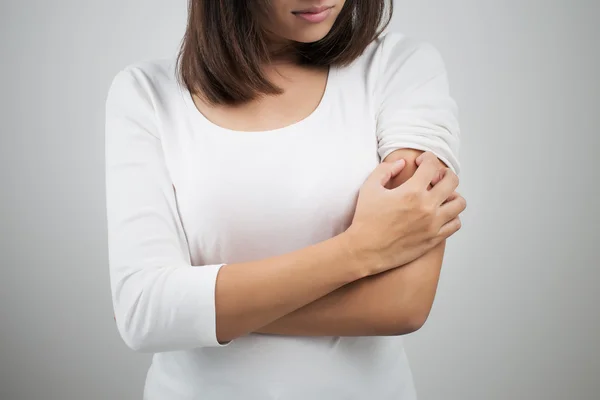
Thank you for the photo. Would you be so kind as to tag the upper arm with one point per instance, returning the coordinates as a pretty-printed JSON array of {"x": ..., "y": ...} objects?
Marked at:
[
  {"x": 143, "y": 226},
  {"x": 415, "y": 111},
  {"x": 161, "y": 303},
  {"x": 410, "y": 156}
]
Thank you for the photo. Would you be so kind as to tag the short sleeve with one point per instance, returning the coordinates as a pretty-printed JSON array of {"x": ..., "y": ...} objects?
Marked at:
[
  {"x": 161, "y": 301},
  {"x": 415, "y": 109}
]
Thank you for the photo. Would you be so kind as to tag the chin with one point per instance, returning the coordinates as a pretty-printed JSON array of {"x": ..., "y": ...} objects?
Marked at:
[{"x": 310, "y": 35}]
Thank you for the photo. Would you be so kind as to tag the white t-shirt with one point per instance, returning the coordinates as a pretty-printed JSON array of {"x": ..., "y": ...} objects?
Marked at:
[{"x": 185, "y": 196}]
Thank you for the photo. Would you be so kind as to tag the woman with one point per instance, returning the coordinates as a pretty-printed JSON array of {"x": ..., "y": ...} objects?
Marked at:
[{"x": 258, "y": 245}]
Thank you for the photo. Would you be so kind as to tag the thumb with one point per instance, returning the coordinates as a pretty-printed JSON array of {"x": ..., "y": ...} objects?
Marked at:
[{"x": 385, "y": 172}]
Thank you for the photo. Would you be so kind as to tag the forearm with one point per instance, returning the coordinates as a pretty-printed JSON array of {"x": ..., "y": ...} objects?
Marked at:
[
  {"x": 396, "y": 302},
  {"x": 254, "y": 294}
]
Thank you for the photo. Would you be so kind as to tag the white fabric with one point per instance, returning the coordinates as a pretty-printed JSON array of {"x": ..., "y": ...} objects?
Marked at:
[{"x": 185, "y": 196}]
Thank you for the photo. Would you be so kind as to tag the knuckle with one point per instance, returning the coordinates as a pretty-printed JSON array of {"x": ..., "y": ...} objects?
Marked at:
[
  {"x": 432, "y": 230},
  {"x": 413, "y": 196},
  {"x": 463, "y": 203},
  {"x": 458, "y": 224},
  {"x": 433, "y": 241},
  {"x": 427, "y": 209},
  {"x": 453, "y": 177}
]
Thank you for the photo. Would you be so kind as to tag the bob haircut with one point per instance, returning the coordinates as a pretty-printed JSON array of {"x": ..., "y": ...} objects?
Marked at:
[{"x": 224, "y": 46}]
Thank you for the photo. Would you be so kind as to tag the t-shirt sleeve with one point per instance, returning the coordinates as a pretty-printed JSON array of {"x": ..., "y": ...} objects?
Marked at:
[
  {"x": 415, "y": 109},
  {"x": 161, "y": 301}
]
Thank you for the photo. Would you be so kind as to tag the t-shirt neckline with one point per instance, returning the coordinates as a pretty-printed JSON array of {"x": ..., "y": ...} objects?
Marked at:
[{"x": 314, "y": 116}]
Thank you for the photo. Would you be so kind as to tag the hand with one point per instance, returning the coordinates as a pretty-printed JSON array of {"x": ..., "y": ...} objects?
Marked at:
[
  {"x": 394, "y": 227},
  {"x": 440, "y": 173}
]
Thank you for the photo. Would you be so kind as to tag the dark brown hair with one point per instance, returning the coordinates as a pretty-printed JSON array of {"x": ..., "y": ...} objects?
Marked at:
[{"x": 225, "y": 45}]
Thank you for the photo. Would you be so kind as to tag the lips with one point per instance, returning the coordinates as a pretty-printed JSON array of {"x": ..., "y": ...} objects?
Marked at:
[
  {"x": 314, "y": 14},
  {"x": 312, "y": 10}
]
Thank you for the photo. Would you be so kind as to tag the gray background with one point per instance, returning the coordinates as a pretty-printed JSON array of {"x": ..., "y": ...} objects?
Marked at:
[{"x": 515, "y": 316}]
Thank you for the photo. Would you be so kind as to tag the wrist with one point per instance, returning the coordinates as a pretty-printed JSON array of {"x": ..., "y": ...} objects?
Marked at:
[{"x": 359, "y": 260}]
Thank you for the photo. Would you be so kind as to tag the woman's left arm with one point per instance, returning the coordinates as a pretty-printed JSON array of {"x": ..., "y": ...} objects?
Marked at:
[{"x": 393, "y": 303}]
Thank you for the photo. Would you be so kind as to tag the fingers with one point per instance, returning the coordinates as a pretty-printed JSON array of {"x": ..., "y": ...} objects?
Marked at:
[
  {"x": 385, "y": 172},
  {"x": 452, "y": 208},
  {"x": 428, "y": 167},
  {"x": 453, "y": 196},
  {"x": 438, "y": 176},
  {"x": 445, "y": 187},
  {"x": 450, "y": 228}
]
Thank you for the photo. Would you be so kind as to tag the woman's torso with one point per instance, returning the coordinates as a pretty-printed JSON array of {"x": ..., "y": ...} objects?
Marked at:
[{"x": 244, "y": 196}]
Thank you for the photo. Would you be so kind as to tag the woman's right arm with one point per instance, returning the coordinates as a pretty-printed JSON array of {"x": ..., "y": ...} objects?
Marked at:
[{"x": 163, "y": 303}]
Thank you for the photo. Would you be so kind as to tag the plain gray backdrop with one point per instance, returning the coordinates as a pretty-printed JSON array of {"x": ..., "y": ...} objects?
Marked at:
[{"x": 516, "y": 316}]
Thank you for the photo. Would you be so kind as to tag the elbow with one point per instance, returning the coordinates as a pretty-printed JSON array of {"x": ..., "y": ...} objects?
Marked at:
[
  {"x": 405, "y": 322},
  {"x": 416, "y": 321},
  {"x": 134, "y": 337},
  {"x": 133, "y": 316},
  {"x": 166, "y": 309},
  {"x": 136, "y": 325},
  {"x": 136, "y": 342}
]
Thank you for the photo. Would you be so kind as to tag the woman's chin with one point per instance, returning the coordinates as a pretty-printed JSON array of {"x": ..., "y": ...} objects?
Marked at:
[{"x": 314, "y": 35}]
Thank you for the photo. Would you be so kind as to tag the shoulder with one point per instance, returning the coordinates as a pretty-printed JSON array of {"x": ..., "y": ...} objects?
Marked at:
[
  {"x": 147, "y": 81},
  {"x": 393, "y": 46},
  {"x": 392, "y": 50},
  {"x": 395, "y": 58}
]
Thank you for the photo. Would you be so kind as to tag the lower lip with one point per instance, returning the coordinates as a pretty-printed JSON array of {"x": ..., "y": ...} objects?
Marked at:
[{"x": 315, "y": 18}]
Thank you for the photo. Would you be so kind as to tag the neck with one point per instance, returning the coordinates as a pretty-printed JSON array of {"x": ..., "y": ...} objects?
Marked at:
[{"x": 282, "y": 51}]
